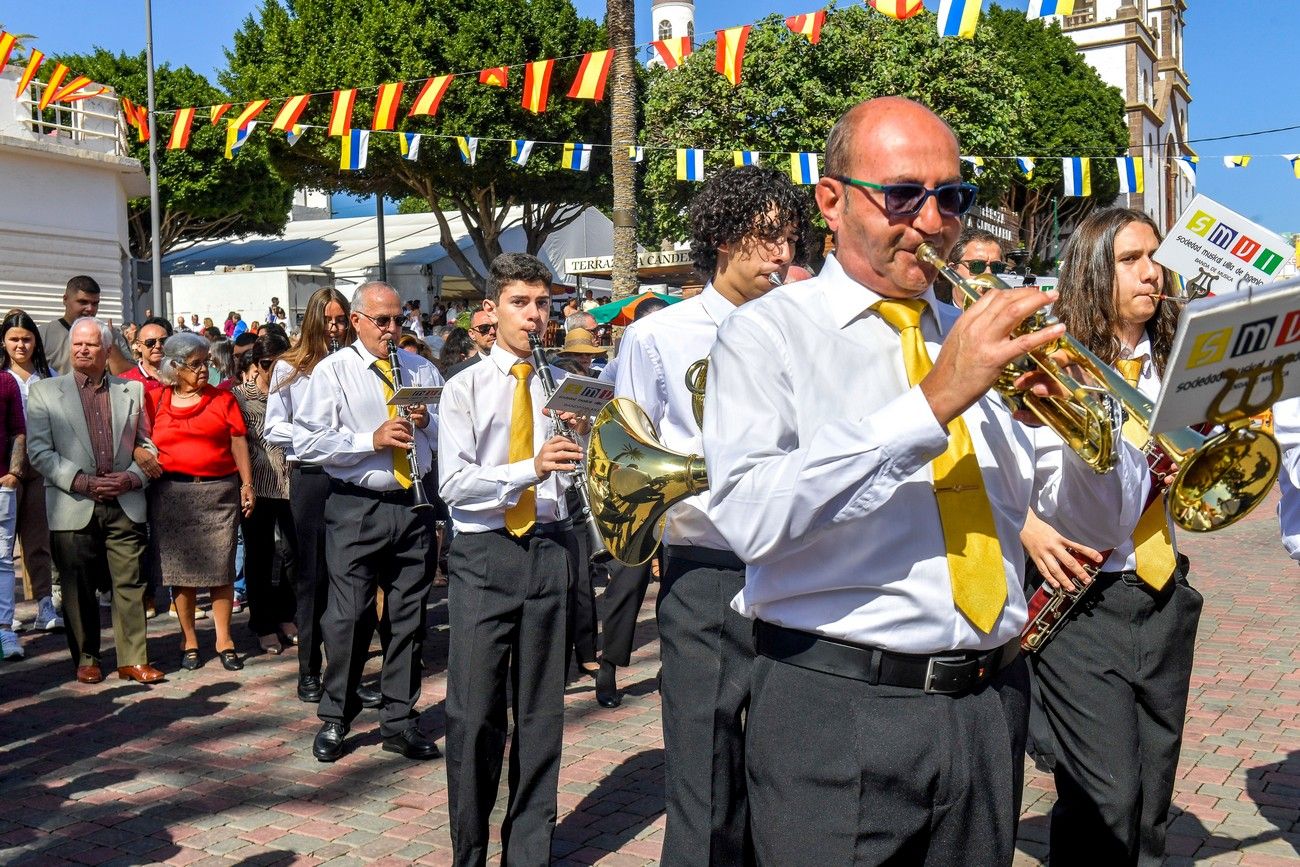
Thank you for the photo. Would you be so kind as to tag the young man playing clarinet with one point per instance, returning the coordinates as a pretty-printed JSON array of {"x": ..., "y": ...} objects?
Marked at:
[
  {"x": 748, "y": 225},
  {"x": 1114, "y": 680},
  {"x": 503, "y": 472}
]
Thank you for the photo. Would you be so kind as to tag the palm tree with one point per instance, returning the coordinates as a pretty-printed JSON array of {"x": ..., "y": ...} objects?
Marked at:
[{"x": 620, "y": 24}]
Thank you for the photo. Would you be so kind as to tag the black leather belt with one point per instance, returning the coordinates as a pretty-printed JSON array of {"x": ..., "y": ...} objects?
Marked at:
[
  {"x": 400, "y": 496},
  {"x": 309, "y": 469},
  {"x": 705, "y": 556},
  {"x": 952, "y": 673},
  {"x": 550, "y": 528},
  {"x": 182, "y": 477}
]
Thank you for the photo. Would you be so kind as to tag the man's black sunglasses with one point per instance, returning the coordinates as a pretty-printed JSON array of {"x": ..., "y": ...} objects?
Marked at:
[
  {"x": 485, "y": 330},
  {"x": 151, "y": 342},
  {"x": 382, "y": 321},
  {"x": 978, "y": 266},
  {"x": 907, "y": 199}
]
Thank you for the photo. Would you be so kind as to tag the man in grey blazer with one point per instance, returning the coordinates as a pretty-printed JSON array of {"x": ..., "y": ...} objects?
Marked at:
[{"x": 83, "y": 430}]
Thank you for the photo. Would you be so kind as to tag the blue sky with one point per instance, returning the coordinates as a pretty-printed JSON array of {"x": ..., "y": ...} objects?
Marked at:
[{"x": 1240, "y": 58}]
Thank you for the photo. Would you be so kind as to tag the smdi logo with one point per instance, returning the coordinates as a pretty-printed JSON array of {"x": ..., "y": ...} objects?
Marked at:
[
  {"x": 1244, "y": 247},
  {"x": 1244, "y": 339}
]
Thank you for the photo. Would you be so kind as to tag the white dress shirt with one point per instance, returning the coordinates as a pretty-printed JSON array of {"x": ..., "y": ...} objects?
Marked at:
[
  {"x": 652, "y": 362},
  {"x": 475, "y": 476},
  {"x": 1286, "y": 426},
  {"x": 25, "y": 384},
  {"x": 819, "y": 456},
  {"x": 335, "y": 419},
  {"x": 277, "y": 429}
]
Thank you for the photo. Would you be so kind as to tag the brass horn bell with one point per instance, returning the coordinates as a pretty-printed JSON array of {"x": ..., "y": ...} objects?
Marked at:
[{"x": 632, "y": 480}]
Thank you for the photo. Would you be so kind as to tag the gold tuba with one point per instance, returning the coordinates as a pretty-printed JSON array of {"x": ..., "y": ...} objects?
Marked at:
[
  {"x": 633, "y": 480},
  {"x": 1219, "y": 478}
]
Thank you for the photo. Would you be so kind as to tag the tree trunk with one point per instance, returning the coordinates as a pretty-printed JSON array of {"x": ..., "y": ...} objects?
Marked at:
[{"x": 620, "y": 23}]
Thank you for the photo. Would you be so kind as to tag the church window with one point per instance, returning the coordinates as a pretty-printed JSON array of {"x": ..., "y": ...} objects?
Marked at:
[{"x": 665, "y": 29}]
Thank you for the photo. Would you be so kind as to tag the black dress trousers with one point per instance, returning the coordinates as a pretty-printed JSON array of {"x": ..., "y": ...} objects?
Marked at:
[{"x": 308, "y": 492}]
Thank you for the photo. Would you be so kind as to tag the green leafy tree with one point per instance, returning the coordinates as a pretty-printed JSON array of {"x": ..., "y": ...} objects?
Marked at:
[
  {"x": 1070, "y": 111},
  {"x": 318, "y": 46},
  {"x": 203, "y": 195},
  {"x": 792, "y": 92}
]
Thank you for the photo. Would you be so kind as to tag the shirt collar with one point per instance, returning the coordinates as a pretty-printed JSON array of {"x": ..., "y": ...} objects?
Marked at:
[
  {"x": 83, "y": 381},
  {"x": 715, "y": 303},
  {"x": 847, "y": 299},
  {"x": 504, "y": 359},
  {"x": 366, "y": 355},
  {"x": 1142, "y": 351}
]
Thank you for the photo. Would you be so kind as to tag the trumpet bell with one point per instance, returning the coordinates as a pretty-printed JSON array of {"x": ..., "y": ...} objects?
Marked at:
[
  {"x": 1223, "y": 480},
  {"x": 632, "y": 480}
]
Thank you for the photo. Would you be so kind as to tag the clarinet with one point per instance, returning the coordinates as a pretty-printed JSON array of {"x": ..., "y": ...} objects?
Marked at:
[
  {"x": 417, "y": 479},
  {"x": 599, "y": 553}
]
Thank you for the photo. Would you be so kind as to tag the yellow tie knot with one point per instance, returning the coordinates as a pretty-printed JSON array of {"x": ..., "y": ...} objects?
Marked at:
[
  {"x": 520, "y": 370},
  {"x": 901, "y": 313},
  {"x": 1130, "y": 368}
]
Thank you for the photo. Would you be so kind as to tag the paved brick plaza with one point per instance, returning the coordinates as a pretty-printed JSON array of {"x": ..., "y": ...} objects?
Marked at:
[{"x": 214, "y": 767}]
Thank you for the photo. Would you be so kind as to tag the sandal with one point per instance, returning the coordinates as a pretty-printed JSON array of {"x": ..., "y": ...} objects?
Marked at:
[
  {"x": 230, "y": 660},
  {"x": 270, "y": 643},
  {"x": 190, "y": 659}
]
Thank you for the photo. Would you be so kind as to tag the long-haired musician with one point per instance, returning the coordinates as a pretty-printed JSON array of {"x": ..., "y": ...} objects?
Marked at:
[
  {"x": 1114, "y": 680},
  {"x": 373, "y": 455}
]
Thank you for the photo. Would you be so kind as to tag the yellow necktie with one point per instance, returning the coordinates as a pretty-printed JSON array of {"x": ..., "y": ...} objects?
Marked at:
[
  {"x": 401, "y": 457},
  {"x": 1152, "y": 545},
  {"x": 979, "y": 581},
  {"x": 521, "y": 517}
]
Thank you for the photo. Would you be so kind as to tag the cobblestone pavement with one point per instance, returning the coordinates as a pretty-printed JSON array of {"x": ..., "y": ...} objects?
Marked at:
[{"x": 214, "y": 767}]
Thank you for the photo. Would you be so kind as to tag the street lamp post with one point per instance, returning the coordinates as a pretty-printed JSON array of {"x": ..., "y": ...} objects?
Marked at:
[{"x": 155, "y": 221}]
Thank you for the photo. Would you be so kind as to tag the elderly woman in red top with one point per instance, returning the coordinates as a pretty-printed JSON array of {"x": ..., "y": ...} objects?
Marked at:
[{"x": 205, "y": 480}]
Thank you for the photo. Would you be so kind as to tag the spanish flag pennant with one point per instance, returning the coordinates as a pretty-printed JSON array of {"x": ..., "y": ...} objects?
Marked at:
[
  {"x": 1026, "y": 165},
  {"x": 252, "y": 110},
  {"x": 593, "y": 72},
  {"x": 141, "y": 122},
  {"x": 354, "y": 147},
  {"x": 1130, "y": 174},
  {"x": 673, "y": 51},
  {"x": 959, "y": 17},
  {"x": 287, "y": 118},
  {"x": 216, "y": 111},
  {"x": 1077, "y": 172},
  {"x": 128, "y": 110},
  {"x": 341, "y": 111},
  {"x": 179, "y": 140},
  {"x": 426, "y": 102},
  {"x": 1044, "y": 8},
  {"x": 1294, "y": 160},
  {"x": 7, "y": 44},
  {"x": 468, "y": 148},
  {"x": 731, "y": 52},
  {"x": 803, "y": 168},
  {"x": 52, "y": 86},
  {"x": 386, "y": 102},
  {"x": 520, "y": 151},
  {"x": 537, "y": 85},
  {"x": 899, "y": 10},
  {"x": 809, "y": 25},
  {"x": 68, "y": 93},
  {"x": 636, "y": 153},
  {"x": 409, "y": 144},
  {"x": 1238, "y": 161},
  {"x": 33, "y": 63},
  {"x": 497, "y": 76},
  {"x": 236, "y": 136},
  {"x": 744, "y": 158},
  {"x": 690, "y": 164},
  {"x": 577, "y": 156}
]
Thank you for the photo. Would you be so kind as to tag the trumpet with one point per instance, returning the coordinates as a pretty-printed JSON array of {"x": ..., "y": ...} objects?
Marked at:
[
  {"x": 421, "y": 503},
  {"x": 599, "y": 553}
]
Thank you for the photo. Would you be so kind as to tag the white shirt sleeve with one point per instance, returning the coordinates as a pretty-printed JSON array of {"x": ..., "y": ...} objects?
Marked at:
[
  {"x": 1286, "y": 425},
  {"x": 277, "y": 427},
  {"x": 641, "y": 374},
  {"x": 319, "y": 435},
  {"x": 463, "y": 482}
]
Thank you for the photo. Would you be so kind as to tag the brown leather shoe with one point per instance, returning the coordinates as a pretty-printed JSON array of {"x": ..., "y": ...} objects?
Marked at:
[
  {"x": 89, "y": 674},
  {"x": 140, "y": 673}
]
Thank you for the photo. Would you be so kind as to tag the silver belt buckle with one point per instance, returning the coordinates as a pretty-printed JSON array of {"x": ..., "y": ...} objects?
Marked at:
[{"x": 931, "y": 674}]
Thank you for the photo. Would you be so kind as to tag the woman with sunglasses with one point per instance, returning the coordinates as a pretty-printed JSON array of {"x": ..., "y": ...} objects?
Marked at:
[
  {"x": 205, "y": 484},
  {"x": 325, "y": 326},
  {"x": 271, "y": 604},
  {"x": 148, "y": 345}
]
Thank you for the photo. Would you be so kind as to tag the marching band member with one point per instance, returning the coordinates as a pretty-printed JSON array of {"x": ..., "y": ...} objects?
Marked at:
[
  {"x": 373, "y": 537},
  {"x": 748, "y": 225},
  {"x": 1114, "y": 681},
  {"x": 1286, "y": 426},
  {"x": 875, "y": 495},
  {"x": 502, "y": 474},
  {"x": 325, "y": 324}
]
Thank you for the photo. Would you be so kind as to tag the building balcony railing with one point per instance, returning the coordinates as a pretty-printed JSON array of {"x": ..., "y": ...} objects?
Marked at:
[{"x": 90, "y": 124}]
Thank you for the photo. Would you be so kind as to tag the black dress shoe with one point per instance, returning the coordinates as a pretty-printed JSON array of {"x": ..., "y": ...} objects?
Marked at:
[
  {"x": 607, "y": 686},
  {"x": 328, "y": 745},
  {"x": 190, "y": 659},
  {"x": 370, "y": 697},
  {"x": 230, "y": 660},
  {"x": 310, "y": 689},
  {"x": 412, "y": 745}
]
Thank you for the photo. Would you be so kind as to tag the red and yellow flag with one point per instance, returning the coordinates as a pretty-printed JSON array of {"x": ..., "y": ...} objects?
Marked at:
[
  {"x": 809, "y": 25},
  {"x": 33, "y": 63},
  {"x": 68, "y": 92},
  {"x": 52, "y": 86},
  {"x": 497, "y": 76},
  {"x": 537, "y": 85},
  {"x": 341, "y": 111},
  {"x": 180, "y": 137},
  {"x": 386, "y": 102},
  {"x": 251, "y": 110},
  {"x": 731, "y": 52},
  {"x": 138, "y": 117},
  {"x": 287, "y": 117},
  {"x": 215, "y": 112},
  {"x": 430, "y": 96},
  {"x": 673, "y": 51},
  {"x": 897, "y": 9},
  {"x": 593, "y": 72},
  {"x": 7, "y": 44}
]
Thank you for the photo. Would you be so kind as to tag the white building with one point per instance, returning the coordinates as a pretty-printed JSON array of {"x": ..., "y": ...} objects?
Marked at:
[
  {"x": 64, "y": 185},
  {"x": 672, "y": 19},
  {"x": 1137, "y": 46}
]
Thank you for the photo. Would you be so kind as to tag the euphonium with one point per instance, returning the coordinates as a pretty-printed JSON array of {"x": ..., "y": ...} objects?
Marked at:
[{"x": 1219, "y": 478}]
